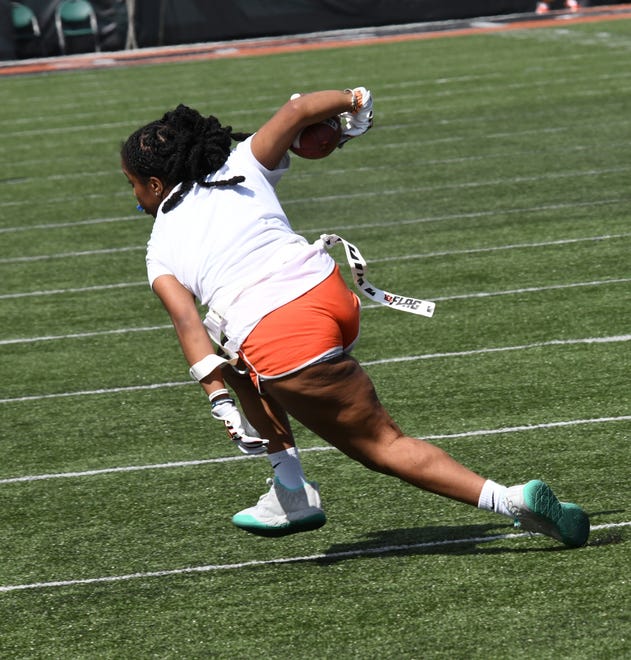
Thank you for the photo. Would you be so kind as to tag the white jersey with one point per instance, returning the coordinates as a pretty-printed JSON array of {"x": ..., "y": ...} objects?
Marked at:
[{"x": 233, "y": 248}]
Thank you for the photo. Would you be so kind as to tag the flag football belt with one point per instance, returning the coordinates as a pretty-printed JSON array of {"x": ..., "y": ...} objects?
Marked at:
[
  {"x": 358, "y": 269},
  {"x": 357, "y": 264}
]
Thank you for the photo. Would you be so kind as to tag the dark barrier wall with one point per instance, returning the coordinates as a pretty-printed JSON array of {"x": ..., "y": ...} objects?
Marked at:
[
  {"x": 7, "y": 45},
  {"x": 168, "y": 22},
  {"x": 190, "y": 21}
]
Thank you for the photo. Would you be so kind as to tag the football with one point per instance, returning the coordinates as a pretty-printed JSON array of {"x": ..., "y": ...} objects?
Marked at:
[{"x": 318, "y": 140}]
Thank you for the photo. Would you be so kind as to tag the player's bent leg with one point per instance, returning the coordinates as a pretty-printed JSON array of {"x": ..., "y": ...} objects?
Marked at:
[
  {"x": 282, "y": 510},
  {"x": 337, "y": 401},
  {"x": 267, "y": 416}
]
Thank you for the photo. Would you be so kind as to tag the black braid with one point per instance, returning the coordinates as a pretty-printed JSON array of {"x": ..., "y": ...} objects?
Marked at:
[{"x": 182, "y": 147}]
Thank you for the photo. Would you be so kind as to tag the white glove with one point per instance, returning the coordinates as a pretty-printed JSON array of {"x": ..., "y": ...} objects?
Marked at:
[
  {"x": 357, "y": 123},
  {"x": 240, "y": 431}
]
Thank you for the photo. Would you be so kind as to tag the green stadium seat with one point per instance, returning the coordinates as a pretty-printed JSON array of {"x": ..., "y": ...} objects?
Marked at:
[
  {"x": 75, "y": 20},
  {"x": 26, "y": 29}
]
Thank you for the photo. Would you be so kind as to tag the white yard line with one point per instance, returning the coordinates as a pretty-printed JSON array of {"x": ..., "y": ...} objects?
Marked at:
[
  {"x": 390, "y": 224},
  {"x": 105, "y": 287},
  {"x": 83, "y": 335},
  {"x": 422, "y": 255},
  {"x": 500, "y": 349},
  {"x": 364, "y": 194},
  {"x": 327, "y": 556},
  {"x": 405, "y": 358},
  {"x": 79, "y": 289},
  {"x": 240, "y": 457}
]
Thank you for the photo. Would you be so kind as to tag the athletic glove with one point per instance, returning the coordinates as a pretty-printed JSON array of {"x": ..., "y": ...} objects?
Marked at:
[
  {"x": 357, "y": 123},
  {"x": 240, "y": 431}
]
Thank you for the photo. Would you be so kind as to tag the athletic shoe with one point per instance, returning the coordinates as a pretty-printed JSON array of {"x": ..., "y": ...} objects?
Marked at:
[
  {"x": 542, "y": 8},
  {"x": 572, "y": 5},
  {"x": 537, "y": 509},
  {"x": 283, "y": 511}
]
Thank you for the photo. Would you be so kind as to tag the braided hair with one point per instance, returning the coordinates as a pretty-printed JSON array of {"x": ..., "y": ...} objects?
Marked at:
[{"x": 182, "y": 147}]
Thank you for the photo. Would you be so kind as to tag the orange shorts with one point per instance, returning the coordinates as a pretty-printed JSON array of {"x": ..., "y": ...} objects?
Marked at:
[{"x": 320, "y": 324}]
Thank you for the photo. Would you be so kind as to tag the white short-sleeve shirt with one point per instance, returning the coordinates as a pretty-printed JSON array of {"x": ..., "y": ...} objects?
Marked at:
[{"x": 233, "y": 248}]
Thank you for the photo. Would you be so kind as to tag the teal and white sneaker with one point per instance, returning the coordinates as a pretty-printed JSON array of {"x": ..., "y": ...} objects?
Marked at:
[
  {"x": 536, "y": 509},
  {"x": 283, "y": 511}
]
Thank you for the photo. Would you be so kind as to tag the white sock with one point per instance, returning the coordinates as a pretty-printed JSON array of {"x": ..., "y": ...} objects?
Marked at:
[
  {"x": 492, "y": 498},
  {"x": 287, "y": 468}
]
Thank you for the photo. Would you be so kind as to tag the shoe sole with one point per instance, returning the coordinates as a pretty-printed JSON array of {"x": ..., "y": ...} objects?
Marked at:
[
  {"x": 254, "y": 526},
  {"x": 564, "y": 521}
]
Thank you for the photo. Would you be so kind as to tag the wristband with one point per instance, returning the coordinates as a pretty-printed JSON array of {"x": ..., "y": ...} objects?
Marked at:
[
  {"x": 205, "y": 366},
  {"x": 220, "y": 402},
  {"x": 217, "y": 393},
  {"x": 354, "y": 101}
]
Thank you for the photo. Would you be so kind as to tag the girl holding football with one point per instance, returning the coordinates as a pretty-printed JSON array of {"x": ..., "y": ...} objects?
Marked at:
[{"x": 282, "y": 316}]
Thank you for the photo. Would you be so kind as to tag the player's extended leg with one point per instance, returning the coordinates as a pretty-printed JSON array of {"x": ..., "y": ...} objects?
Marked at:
[{"x": 337, "y": 401}]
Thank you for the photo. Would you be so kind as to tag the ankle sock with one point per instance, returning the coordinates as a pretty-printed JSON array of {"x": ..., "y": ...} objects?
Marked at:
[
  {"x": 492, "y": 498},
  {"x": 287, "y": 468}
]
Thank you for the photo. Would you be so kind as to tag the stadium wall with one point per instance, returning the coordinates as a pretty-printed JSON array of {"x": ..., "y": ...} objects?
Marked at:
[{"x": 170, "y": 22}]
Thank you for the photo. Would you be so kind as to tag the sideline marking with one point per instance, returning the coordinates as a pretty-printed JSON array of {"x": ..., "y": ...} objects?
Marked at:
[
  {"x": 285, "y": 560},
  {"x": 232, "y": 459}
]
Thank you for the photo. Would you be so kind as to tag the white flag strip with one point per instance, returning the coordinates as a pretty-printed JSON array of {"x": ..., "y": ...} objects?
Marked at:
[{"x": 358, "y": 269}]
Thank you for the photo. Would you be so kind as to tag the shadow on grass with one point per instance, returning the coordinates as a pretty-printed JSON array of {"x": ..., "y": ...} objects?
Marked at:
[{"x": 456, "y": 540}]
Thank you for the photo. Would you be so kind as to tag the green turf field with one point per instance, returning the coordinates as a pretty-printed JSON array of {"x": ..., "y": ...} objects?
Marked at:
[{"x": 497, "y": 182}]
